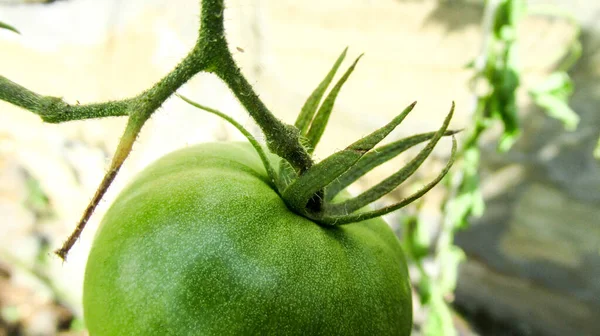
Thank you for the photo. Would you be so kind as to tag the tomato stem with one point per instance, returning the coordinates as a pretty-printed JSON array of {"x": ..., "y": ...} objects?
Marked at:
[
  {"x": 282, "y": 139},
  {"x": 56, "y": 110},
  {"x": 134, "y": 125}
]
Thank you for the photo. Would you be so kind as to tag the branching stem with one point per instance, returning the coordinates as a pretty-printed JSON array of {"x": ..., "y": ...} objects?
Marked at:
[
  {"x": 210, "y": 54},
  {"x": 56, "y": 110}
]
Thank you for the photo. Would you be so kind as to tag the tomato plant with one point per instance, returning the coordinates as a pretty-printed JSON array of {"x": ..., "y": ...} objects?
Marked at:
[{"x": 241, "y": 238}]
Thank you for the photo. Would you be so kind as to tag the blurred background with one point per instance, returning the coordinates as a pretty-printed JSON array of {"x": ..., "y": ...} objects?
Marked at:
[{"x": 508, "y": 245}]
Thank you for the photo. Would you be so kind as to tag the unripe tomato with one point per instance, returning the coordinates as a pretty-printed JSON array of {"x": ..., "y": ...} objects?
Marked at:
[{"x": 201, "y": 244}]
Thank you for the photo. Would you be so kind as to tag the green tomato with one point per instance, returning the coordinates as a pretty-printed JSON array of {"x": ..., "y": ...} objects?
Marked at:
[{"x": 201, "y": 244}]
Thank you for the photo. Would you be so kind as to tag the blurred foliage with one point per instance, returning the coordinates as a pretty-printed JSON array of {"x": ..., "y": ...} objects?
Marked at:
[
  {"x": 77, "y": 325},
  {"x": 496, "y": 79},
  {"x": 553, "y": 93},
  {"x": 37, "y": 200}
]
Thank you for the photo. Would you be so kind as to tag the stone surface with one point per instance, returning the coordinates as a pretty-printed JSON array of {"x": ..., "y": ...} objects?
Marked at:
[{"x": 533, "y": 257}]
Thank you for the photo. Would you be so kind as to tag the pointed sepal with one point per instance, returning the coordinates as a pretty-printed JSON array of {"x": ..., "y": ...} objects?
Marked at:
[
  {"x": 392, "y": 182},
  {"x": 319, "y": 123},
  {"x": 361, "y": 216},
  {"x": 259, "y": 149}
]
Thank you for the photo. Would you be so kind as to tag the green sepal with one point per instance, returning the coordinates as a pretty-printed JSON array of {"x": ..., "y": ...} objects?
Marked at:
[
  {"x": 307, "y": 113},
  {"x": 259, "y": 149},
  {"x": 9, "y": 27},
  {"x": 301, "y": 190},
  {"x": 317, "y": 127},
  {"x": 309, "y": 109},
  {"x": 357, "y": 217},
  {"x": 393, "y": 181},
  {"x": 287, "y": 174},
  {"x": 375, "y": 158}
]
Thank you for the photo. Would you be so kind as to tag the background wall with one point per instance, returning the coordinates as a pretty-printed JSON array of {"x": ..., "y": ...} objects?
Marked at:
[{"x": 534, "y": 258}]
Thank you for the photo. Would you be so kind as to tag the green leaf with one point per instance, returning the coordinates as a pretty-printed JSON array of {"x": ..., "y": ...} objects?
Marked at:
[
  {"x": 317, "y": 127},
  {"x": 425, "y": 289},
  {"x": 558, "y": 108},
  {"x": 77, "y": 325},
  {"x": 502, "y": 103},
  {"x": 310, "y": 106},
  {"x": 458, "y": 209},
  {"x": 449, "y": 258},
  {"x": 518, "y": 10},
  {"x": 501, "y": 17},
  {"x": 8, "y": 27},
  {"x": 439, "y": 319},
  {"x": 301, "y": 190},
  {"x": 468, "y": 200},
  {"x": 553, "y": 94},
  {"x": 417, "y": 238},
  {"x": 557, "y": 84},
  {"x": 597, "y": 150},
  {"x": 508, "y": 139}
]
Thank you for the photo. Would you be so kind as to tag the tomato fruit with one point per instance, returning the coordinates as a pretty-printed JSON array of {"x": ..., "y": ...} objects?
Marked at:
[{"x": 200, "y": 243}]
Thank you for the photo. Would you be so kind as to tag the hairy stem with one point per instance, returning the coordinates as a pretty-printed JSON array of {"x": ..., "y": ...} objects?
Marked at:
[
  {"x": 124, "y": 148},
  {"x": 142, "y": 108},
  {"x": 54, "y": 109},
  {"x": 282, "y": 139}
]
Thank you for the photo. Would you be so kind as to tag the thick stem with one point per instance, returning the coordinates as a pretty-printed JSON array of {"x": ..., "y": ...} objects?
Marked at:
[
  {"x": 150, "y": 100},
  {"x": 55, "y": 110},
  {"x": 282, "y": 139}
]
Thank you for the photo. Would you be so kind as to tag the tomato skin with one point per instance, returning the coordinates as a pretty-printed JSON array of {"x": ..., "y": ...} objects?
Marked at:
[{"x": 200, "y": 244}]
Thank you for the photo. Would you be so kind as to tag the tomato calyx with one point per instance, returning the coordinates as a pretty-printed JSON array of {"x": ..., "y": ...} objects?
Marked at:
[{"x": 311, "y": 193}]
